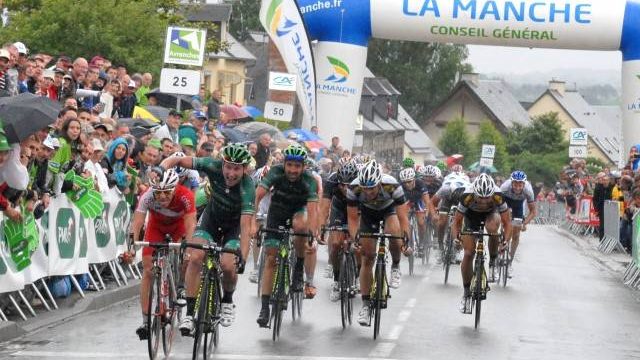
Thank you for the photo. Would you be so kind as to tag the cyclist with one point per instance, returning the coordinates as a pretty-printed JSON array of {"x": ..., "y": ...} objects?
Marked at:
[
  {"x": 226, "y": 220},
  {"x": 293, "y": 194},
  {"x": 262, "y": 210},
  {"x": 418, "y": 196},
  {"x": 449, "y": 195},
  {"x": 378, "y": 197},
  {"x": 480, "y": 203},
  {"x": 171, "y": 209},
  {"x": 333, "y": 212},
  {"x": 515, "y": 191},
  {"x": 311, "y": 256},
  {"x": 341, "y": 163}
]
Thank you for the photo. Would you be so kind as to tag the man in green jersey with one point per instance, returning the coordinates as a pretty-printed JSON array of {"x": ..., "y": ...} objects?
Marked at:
[
  {"x": 294, "y": 193},
  {"x": 226, "y": 220}
]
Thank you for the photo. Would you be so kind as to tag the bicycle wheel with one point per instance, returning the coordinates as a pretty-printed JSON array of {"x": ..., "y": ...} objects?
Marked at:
[
  {"x": 378, "y": 298},
  {"x": 478, "y": 289},
  {"x": 280, "y": 297},
  {"x": 448, "y": 257},
  {"x": 427, "y": 243},
  {"x": 212, "y": 336},
  {"x": 260, "y": 269},
  {"x": 505, "y": 265},
  {"x": 344, "y": 289},
  {"x": 154, "y": 314},
  {"x": 352, "y": 268},
  {"x": 171, "y": 317},
  {"x": 201, "y": 320}
]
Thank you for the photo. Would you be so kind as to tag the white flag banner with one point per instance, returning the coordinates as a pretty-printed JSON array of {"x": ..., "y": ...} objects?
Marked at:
[
  {"x": 39, "y": 266},
  {"x": 101, "y": 238},
  {"x": 283, "y": 22},
  {"x": 119, "y": 218},
  {"x": 10, "y": 278},
  {"x": 81, "y": 258},
  {"x": 63, "y": 239}
]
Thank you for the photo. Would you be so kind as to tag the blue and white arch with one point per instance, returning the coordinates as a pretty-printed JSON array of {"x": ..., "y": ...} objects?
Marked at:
[{"x": 344, "y": 27}]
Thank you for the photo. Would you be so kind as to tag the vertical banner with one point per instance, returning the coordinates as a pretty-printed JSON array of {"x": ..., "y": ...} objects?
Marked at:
[
  {"x": 119, "y": 216},
  {"x": 10, "y": 278},
  {"x": 340, "y": 71},
  {"x": 63, "y": 239},
  {"x": 81, "y": 260},
  {"x": 39, "y": 267},
  {"x": 630, "y": 106},
  {"x": 283, "y": 22},
  {"x": 101, "y": 238}
]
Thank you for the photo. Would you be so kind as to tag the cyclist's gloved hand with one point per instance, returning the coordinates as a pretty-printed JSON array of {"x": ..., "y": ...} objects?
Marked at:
[{"x": 241, "y": 263}]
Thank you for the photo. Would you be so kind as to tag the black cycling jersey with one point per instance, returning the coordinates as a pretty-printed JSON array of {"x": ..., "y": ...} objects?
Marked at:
[{"x": 415, "y": 195}]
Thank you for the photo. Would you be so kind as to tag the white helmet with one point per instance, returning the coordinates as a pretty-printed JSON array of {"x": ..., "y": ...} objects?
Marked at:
[
  {"x": 455, "y": 181},
  {"x": 431, "y": 170},
  {"x": 407, "y": 174},
  {"x": 484, "y": 186},
  {"x": 370, "y": 175},
  {"x": 166, "y": 180},
  {"x": 179, "y": 170}
]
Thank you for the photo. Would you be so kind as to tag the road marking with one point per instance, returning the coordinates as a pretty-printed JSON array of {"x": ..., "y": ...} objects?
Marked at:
[
  {"x": 395, "y": 332},
  {"x": 141, "y": 355},
  {"x": 404, "y": 315},
  {"x": 411, "y": 303},
  {"x": 383, "y": 349}
]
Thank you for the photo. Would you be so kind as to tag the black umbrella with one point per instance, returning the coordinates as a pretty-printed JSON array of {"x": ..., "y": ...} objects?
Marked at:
[
  {"x": 139, "y": 122},
  {"x": 25, "y": 114},
  {"x": 161, "y": 113},
  {"x": 233, "y": 135},
  {"x": 171, "y": 100},
  {"x": 254, "y": 129}
]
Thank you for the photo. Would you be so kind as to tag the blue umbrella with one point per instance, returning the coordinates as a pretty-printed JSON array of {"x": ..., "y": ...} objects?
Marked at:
[
  {"x": 302, "y": 134},
  {"x": 234, "y": 135},
  {"x": 253, "y": 111}
]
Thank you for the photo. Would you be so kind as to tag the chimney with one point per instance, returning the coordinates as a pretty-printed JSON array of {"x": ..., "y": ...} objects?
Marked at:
[
  {"x": 470, "y": 77},
  {"x": 557, "y": 85}
]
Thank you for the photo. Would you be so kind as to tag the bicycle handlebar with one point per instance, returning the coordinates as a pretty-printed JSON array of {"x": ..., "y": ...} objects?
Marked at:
[
  {"x": 377, "y": 235},
  {"x": 284, "y": 232},
  {"x": 157, "y": 245},
  {"x": 479, "y": 233}
]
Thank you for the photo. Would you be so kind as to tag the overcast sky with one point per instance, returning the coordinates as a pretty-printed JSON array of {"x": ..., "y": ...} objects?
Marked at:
[{"x": 506, "y": 60}]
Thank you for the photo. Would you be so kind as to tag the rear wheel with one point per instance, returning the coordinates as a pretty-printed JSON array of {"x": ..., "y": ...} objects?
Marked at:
[
  {"x": 154, "y": 322},
  {"x": 260, "y": 267}
]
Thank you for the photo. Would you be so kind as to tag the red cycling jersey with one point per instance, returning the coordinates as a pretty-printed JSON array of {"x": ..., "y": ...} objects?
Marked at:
[{"x": 166, "y": 219}]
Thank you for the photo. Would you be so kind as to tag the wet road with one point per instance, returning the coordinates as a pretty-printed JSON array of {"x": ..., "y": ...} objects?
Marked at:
[{"x": 559, "y": 305}]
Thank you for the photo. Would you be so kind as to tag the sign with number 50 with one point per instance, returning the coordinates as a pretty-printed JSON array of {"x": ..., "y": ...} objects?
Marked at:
[{"x": 278, "y": 111}]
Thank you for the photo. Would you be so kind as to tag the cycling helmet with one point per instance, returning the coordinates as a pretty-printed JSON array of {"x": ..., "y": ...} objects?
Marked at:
[
  {"x": 370, "y": 175},
  {"x": 420, "y": 171},
  {"x": 456, "y": 181},
  {"x": 408, "y": 163},
  {"x": 483, "y": 186},
  {"x": 518, "y": 175},
  {"x": 433, "y": 171},
  {"x": 343, "y": 160},
  {"x": 236, "y": 153},
  {"x": 347, "y": 172},
  {"x": 407, "y": 174},
  {"x": 179, "y": 169},
  {"x": 166, "y": 180},
  {"x": 311, "y": 164},
  {"x": 441, "y": 165},
  {"x": 295, "y": 152}
]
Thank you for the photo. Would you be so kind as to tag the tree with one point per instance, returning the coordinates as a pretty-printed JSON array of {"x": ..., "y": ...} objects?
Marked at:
[
  {"x": 244, "y": 18},
  {"x": 543, "y": 168},
  {"x": 126, "y": 32},
  {"x": 488, "y": 134},
  {"x": 456, "y": 140},
  {"x": 423, "y": 73}
]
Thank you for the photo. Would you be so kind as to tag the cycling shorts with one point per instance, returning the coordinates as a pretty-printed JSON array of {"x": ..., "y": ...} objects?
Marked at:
[
  {"x": 337, "y": 216},
  {"x": 473, "y": 220},
  {"x": 225, "y": 235},
  {"x": 275, "y": 219},
  {"x": 370, "y": 219},
  {"x": 516, "y": 206},
  {"x": 155, "y": 233}
]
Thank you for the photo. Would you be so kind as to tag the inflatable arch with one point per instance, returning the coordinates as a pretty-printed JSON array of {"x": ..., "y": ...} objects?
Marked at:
[{"x": 344, "y": 27}]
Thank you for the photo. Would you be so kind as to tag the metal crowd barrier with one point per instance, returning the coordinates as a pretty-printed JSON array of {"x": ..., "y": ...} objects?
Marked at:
[{"x": 611, "y": 239}]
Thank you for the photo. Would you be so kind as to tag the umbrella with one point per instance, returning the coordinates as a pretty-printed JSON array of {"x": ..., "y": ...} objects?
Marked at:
[
  {"x": 139, "y": 122},
  {"x": 254, "y": 129},
  {"x": 233, "y": 112},
  {"x": 454, "y": 159},
  {"x": 171, "y": 100},
  {"x": 25, "y": 114},
  {"x": 253, "y": 111},
  {"x": 480, "y": 169},
  {"x": 159, "y": 112},
  {"x": 302, "y": 134},
  {"x": 234, "y": 135},
  {"x": 140, "y": 112}
]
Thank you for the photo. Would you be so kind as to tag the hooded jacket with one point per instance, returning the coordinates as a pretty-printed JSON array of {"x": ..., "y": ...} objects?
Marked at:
[{"x": 116, "y": 169}]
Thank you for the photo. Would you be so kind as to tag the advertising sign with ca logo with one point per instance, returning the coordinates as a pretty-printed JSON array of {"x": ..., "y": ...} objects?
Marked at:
[
  {"x": 185, "y": 46},
  {"x": 282, "y": 81},
  {"x": 578, "y": 136}
]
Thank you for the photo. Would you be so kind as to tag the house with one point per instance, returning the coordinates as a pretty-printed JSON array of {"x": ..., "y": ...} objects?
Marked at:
[
  {"x": 386, "y": 129},
  {"x": 476, "y": 100},
  {"x": 603, "y": 123},
  {"x": 224, "y": 70}
]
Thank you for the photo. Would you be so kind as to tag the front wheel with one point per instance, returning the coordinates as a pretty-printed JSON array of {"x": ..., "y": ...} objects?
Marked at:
[
  {"x": 379, "y": 297},
  {"x": 201, "y": 321},
  {"x": 479, "y": 288},
  {"x": 171, "y": 316},
  {"x": 154, "y": 313}
]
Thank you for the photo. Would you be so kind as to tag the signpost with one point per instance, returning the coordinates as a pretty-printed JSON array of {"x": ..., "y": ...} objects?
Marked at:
[
  {"x": 578, "y": 140},
  {"x": 278, "y": 111},
  {"x": 486, "y": 162}
]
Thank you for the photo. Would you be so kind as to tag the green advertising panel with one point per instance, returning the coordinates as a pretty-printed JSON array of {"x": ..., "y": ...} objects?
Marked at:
[
  {"x": 119, "y": 222},
  {"x": 101, "y": 227},
  {"x": 66, "y": 233}
]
